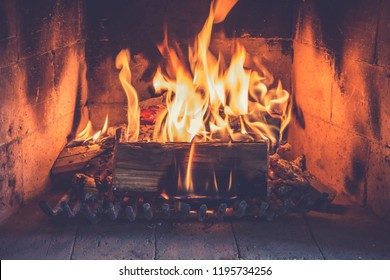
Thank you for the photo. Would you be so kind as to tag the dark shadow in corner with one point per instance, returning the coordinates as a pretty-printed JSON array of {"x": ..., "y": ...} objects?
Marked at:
[{"x": 359, "y": 163}]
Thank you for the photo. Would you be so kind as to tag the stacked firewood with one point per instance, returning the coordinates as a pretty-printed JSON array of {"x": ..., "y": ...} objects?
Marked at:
[
  {"x": 292, "y": 188},
  {"x": 87, "y": 167}
]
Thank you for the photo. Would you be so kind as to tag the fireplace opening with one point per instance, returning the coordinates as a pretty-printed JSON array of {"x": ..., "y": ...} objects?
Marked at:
[{"x": 212, "y": 109}]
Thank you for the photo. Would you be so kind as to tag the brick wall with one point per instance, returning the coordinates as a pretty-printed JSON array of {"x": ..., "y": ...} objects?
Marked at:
[
  {"x": 341, "y": 75},
  {"x": 42, "y": 84}
]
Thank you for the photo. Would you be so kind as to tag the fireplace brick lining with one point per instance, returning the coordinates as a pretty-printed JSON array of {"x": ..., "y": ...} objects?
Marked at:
[
  {"x": 42, "y": 73},
  {"x": 341, "y": 111},
  {"x": 352, "y": 117}
]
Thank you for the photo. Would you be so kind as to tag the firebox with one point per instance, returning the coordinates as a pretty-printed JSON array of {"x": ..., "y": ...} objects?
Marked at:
[{"x": 164, "y": 108}]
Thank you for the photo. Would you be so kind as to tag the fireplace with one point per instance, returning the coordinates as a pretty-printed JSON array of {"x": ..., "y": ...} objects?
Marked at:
[{"x": 58, "y": 72}]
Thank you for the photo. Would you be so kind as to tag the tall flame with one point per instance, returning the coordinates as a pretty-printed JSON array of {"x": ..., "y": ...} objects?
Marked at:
[
  {"x": 206, "y": 100},
  {"x": 133, "y": 112}
]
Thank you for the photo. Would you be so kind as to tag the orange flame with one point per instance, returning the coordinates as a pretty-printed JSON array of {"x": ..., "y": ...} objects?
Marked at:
[
  {"x": 215, "y": 182},
  {"x": 230, "y": 180},
  {"x": 133, "y": 112},
  {"x": 188, "y": 180},
  {"x": 87, "y": 133},
  {"x": 206, "y": 101}
]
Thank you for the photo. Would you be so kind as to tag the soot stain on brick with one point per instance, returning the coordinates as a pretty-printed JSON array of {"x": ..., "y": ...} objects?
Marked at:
[
  {"x": 10, "y": 129},
  {"x": 4, "y": 28},
  {"x": 298, "y": 113},
  {"x": 33, "y": 19},
  {"x": 331, "y": 14},
  {"x": 261, "y": 18},
  {"x": 374, "y": 106},
  {"x": 387, "y": 157},
  {"x": 286, "y": 45},
  {"x": 12, "y": 183},
  {"x": 353, "y": 183}
]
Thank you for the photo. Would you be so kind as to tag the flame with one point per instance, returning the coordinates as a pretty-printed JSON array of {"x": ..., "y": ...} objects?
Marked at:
[
  {"x": 222, "y": 9},
  {"x": 188, "y": 179},
  {"x": 207, "y": 99},
  {"x": 215, "y": 182},
  {"x": 164, "y": 195},
  {"x": 133, "y": 112},
  {"x": 87, "y": 133},
  {"x": 230, "y": 180}
]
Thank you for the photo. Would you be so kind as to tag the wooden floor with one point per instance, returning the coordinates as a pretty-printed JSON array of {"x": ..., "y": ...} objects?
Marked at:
[{"x": 346, "y": 232}]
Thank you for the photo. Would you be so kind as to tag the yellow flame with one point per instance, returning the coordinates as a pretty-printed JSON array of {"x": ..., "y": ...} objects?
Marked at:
[
  {"x": 87, "y": 133},
  {"x": 230, "y": 180},
  {"x": 133, "y": 112},
  {"x": 215, "y": 182},
  {"x": 188, "y": 179},
  {"x": 222, "y": 8},
  {"x": 206, "y": 100}
]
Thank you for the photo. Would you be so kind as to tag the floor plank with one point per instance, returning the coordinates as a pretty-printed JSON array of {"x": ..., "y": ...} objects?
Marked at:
[
  {"x": 349, "y": 231},
  {"x": 193, "y": 240},
  {"x": 346, "y": 232},
  {"x": 284, "y": 238},
  {"x": 115, "y": 240},
  {"x": 30, "y": 234}
]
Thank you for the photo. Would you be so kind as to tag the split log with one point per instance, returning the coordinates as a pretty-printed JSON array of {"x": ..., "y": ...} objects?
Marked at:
[
  {"x": 147, "y": 168},
  {"x": 74, "y": 159}
]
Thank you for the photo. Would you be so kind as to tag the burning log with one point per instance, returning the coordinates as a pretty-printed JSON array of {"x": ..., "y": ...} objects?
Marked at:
[{"x": 147, "y": 168}]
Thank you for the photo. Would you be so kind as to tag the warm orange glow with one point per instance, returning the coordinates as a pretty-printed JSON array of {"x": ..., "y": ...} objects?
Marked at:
[
  {"x": 215, "y": 183},
  {"x": 164, "y": 195},
  {"x": 206, "y": 99},
  {"x": 188, "y": 180},
  {"x": 133, "y": 112},
  {"x": 87, "y": 133},
  {"x": 230, "y": 180},
  {"x": 222, "y": 8}
]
